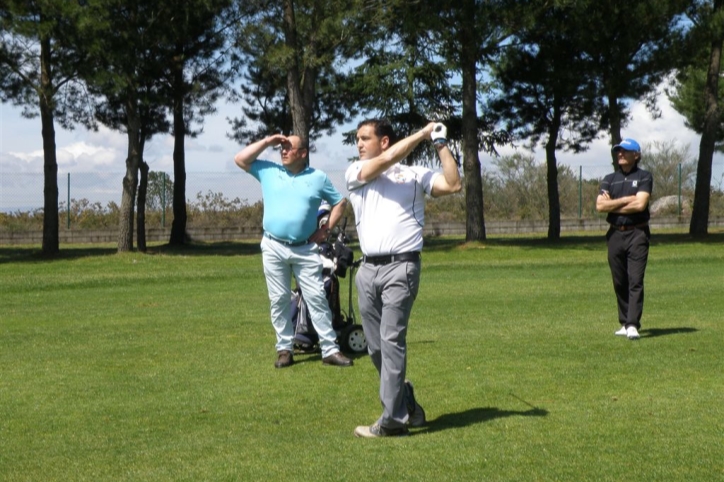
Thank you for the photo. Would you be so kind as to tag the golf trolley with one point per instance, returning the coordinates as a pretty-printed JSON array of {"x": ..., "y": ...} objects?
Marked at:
[{"x": 337, "y": 259}]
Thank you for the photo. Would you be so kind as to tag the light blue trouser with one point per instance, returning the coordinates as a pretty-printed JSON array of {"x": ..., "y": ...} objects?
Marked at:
[
  {"x": 280, "y": 262},
  {"x": 386, "y": 294}
]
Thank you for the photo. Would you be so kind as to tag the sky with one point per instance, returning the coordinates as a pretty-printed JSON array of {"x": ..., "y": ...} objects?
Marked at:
[{"x": 212, "y": 152}]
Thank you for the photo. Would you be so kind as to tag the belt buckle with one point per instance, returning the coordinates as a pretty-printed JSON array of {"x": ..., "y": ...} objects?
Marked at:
[{"x": 378, "y": 260}]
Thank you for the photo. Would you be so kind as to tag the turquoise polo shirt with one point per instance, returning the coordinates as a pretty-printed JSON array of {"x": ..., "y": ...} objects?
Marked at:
[{"x": 291, "y": 200}]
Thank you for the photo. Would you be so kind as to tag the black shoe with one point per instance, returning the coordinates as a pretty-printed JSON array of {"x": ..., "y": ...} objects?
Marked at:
[
  {"x": 285, "y": 359},
  {"x": 416, "y": 414},
  {"x": 338, "y": 360}
]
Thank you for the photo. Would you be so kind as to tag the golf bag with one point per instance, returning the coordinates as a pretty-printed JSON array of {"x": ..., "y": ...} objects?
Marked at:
[{"x": 337, "y": 260}]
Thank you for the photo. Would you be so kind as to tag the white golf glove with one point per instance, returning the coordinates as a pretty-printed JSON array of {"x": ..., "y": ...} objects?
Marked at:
[{"x": 439, "y": 134}]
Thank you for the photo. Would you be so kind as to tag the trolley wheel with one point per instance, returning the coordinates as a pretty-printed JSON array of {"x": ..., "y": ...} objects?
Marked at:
[{"x": 353, "y": 339}]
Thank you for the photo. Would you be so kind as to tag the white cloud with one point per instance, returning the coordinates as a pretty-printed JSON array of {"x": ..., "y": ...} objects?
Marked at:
[
  {"x": 12, "y": 163},
  {"x": 79, "y": 156}
]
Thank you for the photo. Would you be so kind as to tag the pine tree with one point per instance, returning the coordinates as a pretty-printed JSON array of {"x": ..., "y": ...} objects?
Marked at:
[{"x": 39, "y": 70}]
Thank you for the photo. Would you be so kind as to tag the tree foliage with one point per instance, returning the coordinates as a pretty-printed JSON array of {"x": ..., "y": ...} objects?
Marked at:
[
  {"x": 687, "y": 98},
  {"x": 704, "y": 112},
  {"x": 632, "y": 47},
  {"x": 548, "y": 94},
  {"x": 25, "y": 26},
  {"x": 124, "y": 41},
  {"x": 427, "y": 64},
  {"x": 290, "y": 53},
  {"x": 160, "y": 190},
  {"x": 401, "y": 76},
  {"x": 155, "y": 57},
  {"x": 197, "y": 72}
]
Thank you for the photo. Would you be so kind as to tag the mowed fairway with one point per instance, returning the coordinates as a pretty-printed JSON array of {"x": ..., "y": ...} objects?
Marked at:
[{"x": 159, "y": 367}]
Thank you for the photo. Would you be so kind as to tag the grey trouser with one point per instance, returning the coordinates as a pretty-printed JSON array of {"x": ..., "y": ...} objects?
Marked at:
[{"x": 386, "y": 294}]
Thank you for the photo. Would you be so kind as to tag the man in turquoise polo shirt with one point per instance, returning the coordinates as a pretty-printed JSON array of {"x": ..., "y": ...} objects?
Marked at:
[{"x": 292, "y": 192}]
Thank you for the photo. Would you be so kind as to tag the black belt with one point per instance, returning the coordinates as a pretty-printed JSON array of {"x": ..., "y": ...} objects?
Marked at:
[
  {"x": 628, "y": 227},
  {"x": 286, "y": 243},
  {"x": 391, "y": 258}
]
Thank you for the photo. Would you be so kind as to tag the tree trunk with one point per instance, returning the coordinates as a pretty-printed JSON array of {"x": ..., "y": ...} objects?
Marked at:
[
  {"x": 554, "y": 205},
  {"x": 178, "y": 227},
  {"x": 475, "y": 217},
  {"x": 614, "y": 115},
  {"x": 130, "y": 180},
  {"x": 51, "y": 236},
  {"x": 141, "y": 217},
  {"x": 299, "y": 86},
  {"x": 699, "y": 225}
]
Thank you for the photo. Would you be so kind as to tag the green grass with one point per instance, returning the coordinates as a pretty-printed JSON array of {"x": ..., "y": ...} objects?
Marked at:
[{"x": 155, "y": 367}]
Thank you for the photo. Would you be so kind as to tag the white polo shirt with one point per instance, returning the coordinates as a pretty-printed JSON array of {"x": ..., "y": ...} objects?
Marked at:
[{"x": 390, "y": 210}]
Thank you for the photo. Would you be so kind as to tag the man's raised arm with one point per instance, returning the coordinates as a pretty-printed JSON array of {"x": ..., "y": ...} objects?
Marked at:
[
  {"x": 246, "y": 157},
  {"x": 398, "y": 151}
]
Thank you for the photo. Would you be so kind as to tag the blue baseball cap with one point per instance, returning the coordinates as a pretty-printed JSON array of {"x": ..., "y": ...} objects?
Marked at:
[{"x": 627, "y": 145}]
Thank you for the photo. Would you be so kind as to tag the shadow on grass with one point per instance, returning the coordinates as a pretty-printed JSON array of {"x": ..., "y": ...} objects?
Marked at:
[
  {"x": 34, "y": 255},
  {"x": 594, "y": 241},
  {"x": 222, "y": 248},
  {"x": 478, "y": 415},
  {"x": 316, "y": 356},
  {"x": 11, "y": 254},
  {"x": 652, "y": 332},
  {"x": 448, "y": 244}
]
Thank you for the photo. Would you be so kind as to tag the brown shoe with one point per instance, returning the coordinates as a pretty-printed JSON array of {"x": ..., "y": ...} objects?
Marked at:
[
  {"x": 285, "y": 359},
  {"x": 338, "y": 360}
]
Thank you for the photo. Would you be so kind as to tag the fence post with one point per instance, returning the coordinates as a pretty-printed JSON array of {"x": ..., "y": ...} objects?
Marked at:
[
  {"x": 580, "y": 192},
  {"x": 163, "y": 199},
  {"x": 679, "y": 189},
  {"x": 68, "y": 211}
]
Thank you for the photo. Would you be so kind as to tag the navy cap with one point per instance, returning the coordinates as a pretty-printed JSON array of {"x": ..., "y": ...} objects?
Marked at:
[{"x": 628, "y": 145}]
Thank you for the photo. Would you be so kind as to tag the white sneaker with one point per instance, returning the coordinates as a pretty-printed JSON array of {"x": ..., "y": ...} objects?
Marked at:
[
  {"x": 632, "y": 333},
  {"x": 621, "y": 332}
]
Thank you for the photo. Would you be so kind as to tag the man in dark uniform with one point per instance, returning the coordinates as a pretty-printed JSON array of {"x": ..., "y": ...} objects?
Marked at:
[{"x": 624, "y": 195}]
